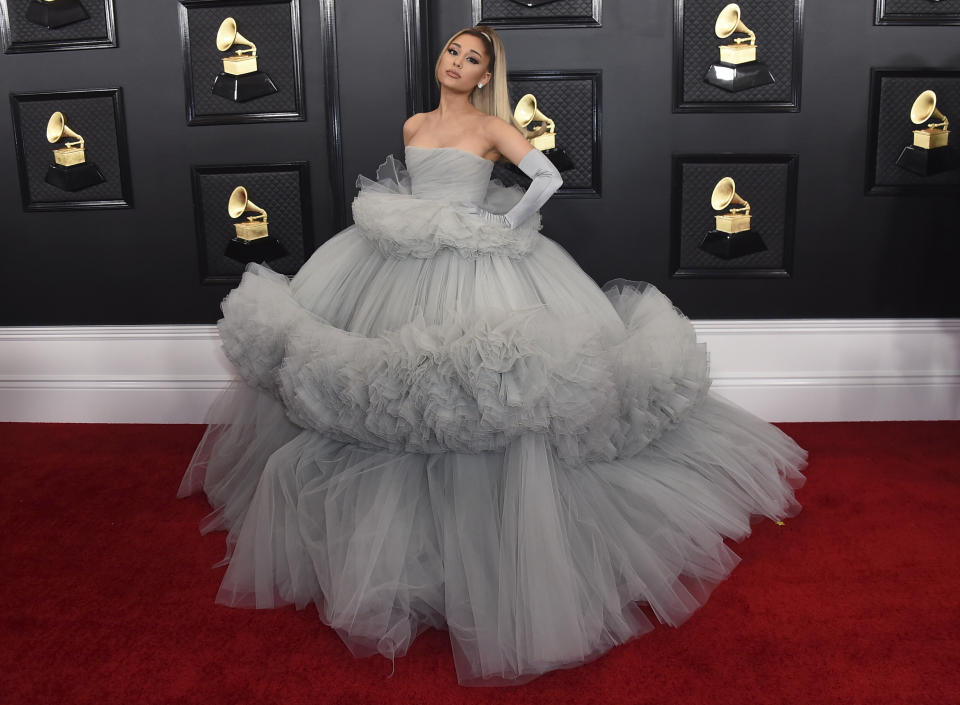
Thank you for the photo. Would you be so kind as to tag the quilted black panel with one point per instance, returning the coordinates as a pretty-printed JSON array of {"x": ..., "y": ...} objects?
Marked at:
[
  {"x": 895, "y": 130},
  {"x": 764, "y": 185},
  {"x": 22, "y": 30},
  {"x": 277, "y": 192},
  {"x": 508, "y": 10},
  {"x": 267, "y": 26},
  {"x": 921, "y": 7},
  {"x": 773, "y": 23},
  {"x": 94, "y": 119},
  {"x": 569, "y": 102}
]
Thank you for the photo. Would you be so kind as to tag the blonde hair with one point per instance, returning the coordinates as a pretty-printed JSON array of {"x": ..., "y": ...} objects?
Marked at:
[{"x": 493, "y": 98}]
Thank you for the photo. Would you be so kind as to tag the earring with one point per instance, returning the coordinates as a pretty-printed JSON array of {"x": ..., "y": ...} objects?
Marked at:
[{"x": 479, "y": 85}]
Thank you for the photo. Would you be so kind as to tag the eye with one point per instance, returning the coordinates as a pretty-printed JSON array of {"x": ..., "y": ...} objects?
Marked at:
[
  {"x": 451, "y": 50},
  {"x": 472, "y": 60}
]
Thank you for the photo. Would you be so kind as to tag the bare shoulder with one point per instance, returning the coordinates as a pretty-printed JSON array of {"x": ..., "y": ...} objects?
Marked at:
[
  {"x": 413, "y": 125},
  {"x": 506, "y": 138},
  {"x": 495, "y": 126}
]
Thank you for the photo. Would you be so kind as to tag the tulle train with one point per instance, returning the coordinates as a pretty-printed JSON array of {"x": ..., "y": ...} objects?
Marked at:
[
  {"x": 446, "y": 424},
  {"x": 531, "y": 564}
]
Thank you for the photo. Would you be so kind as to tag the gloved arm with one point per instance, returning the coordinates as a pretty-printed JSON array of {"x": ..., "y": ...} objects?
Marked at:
[{"x": 545, "y": 180}]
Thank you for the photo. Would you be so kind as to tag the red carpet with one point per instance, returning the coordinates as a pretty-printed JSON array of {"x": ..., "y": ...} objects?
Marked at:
[{"x": 107, "y": 592}]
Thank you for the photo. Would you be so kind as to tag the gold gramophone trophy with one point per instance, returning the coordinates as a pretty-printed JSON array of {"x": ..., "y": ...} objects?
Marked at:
[
  {"x": 70, "y": 171},
  {"x": 733, "y": 236},
  {"x": 55, "y": 13},
  {"x": 738, "y": 68},
  {"x": 543, "y": 137},
  {"x": 252, "y": 241},
  {"x": 930, "y": 152},
  {"x": 240, "y": 79}
]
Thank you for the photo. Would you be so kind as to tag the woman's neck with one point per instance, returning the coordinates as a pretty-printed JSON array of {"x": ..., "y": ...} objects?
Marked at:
[{"x": 454, "y": 104}]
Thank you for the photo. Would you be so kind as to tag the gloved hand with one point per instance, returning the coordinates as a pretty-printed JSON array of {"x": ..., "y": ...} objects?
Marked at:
[
  {"x": 545, "y": 180},
  {"x": 488, "y": 217}
]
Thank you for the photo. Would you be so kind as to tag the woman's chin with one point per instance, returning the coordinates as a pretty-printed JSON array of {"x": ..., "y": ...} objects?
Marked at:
[{"x": 455, "y": 85}]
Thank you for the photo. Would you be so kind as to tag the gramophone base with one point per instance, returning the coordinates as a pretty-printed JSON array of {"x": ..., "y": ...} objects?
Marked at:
[
  {"x": 559, "y": 158},
  {"x": 262, "y": 249},
  {"x": 53, "y": 15},
  {"x": 927, "y": 162},
  {"x": 732, "y": 245},
  {"x": 739, "y": 77},
  {"x": 74, "y": 177},
  {"x": 244, "y": 87}
]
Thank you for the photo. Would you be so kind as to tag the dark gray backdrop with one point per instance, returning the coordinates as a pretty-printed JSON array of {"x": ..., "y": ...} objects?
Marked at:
[
  {"x": 855, "y": 255},
  {"x": 140, "y": 265}
]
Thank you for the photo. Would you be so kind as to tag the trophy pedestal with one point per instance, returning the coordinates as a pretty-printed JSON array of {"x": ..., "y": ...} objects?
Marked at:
[
  {"x": 739, "y": 77},
  {"x": 244, "y": 87},
  {"x": 262, "y": 249},
  {"x": 731, "y": 245},
  {"x": 559, "y": 158},
  {"x": 74, "y": 177},
  {"x": 55, "y": 14},
  {"x": 927, "y": 162}
]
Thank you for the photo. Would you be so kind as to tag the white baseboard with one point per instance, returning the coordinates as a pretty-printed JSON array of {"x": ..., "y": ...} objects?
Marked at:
[
  {"x": 836, "y": 369},
  {"x": 782, "y": 370},
  {"x": 110, "y": 374}
]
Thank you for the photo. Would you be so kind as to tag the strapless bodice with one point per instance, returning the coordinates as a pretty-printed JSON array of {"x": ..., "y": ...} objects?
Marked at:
[
  {"x": 418, "y": 209},
  {"x": 448, "y": 174}
]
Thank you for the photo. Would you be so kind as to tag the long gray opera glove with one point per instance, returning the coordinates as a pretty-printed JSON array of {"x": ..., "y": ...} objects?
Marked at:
[{"x": 545, "y": 180}]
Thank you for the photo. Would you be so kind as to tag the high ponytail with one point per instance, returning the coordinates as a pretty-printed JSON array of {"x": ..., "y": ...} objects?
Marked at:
[{"x": 493, "y": 98}]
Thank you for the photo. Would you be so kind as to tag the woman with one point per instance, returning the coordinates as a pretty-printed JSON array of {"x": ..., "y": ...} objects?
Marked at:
[{"x": 446, "y": 423}]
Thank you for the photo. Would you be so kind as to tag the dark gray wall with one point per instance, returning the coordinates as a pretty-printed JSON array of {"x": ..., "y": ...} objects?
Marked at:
[
  {"x": 139, "y": 265},
  {"x": 855, "y": 255},
  {"x": 372, "y": 84}
]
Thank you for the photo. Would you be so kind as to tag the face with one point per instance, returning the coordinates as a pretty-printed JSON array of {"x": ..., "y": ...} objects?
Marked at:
[{"x": 464, "y": 64}]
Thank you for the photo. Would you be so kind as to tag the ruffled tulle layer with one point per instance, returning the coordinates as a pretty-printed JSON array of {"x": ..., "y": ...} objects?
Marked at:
[
  {"x": 531, "y": 564},
  {"x": 472, "y": 383}
]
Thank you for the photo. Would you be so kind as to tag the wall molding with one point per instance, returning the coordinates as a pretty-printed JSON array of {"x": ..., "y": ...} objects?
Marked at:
[
  {"x": 419, "y": 68},
  {"x": 331, "y": 90},
  {"x": 781, "y": 370}
]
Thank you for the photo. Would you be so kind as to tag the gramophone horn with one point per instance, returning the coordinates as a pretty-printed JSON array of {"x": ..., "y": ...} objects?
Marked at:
[
  {"x": 526, "y": 109},
  {"x": 728, "y": 22},
  {"x": 527, "y": 112},
  {"x": 239, "y": 204},
  {"x": 57, "y": 128},
  {"x": 228, "y": 35},
  {"x": 924, "y": 108},
  {"x": 722, "y": 194},
  {"x": 725, "y": 193}
]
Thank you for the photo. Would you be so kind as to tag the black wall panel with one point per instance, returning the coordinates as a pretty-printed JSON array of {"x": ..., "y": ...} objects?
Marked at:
[
  {"x": 855, "y": 255},
  {"x": 372, "y": 84},
  {"x": 140, "y": 265}
]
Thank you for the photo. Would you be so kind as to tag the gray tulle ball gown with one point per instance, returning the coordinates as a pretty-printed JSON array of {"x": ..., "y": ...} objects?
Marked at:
[{"x": 446, "y": 423}]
